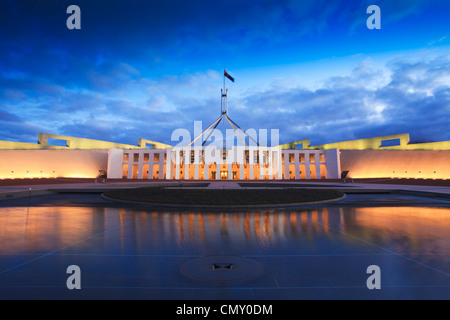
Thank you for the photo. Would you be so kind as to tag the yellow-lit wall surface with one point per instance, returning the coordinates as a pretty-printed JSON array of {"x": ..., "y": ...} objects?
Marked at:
[
  {"x": 372, "y": 144},
  {"x": 52, "y": 163},
  {"x": 427, "y": 164},
  {"x": 77, "y": 143}
]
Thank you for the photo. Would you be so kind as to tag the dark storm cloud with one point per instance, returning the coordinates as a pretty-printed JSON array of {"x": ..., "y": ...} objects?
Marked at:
[
  {"x": 403, "y": 97},
  {"x": 14, "y": 128},
  {"x": 416, "y": 100},
  {"x": 9, "y": 117}
]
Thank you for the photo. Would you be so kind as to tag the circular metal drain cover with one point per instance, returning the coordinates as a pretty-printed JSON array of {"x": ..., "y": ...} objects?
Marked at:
[{"x": 222, "y": 268}]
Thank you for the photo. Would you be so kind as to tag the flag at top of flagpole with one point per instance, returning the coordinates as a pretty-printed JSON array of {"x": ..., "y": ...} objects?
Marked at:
[{"x": 225, "y": 73}]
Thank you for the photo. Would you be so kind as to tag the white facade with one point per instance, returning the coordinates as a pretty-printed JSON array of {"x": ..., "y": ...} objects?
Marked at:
[
  {"x": 311, "y": 164},
  {"x": 211, "y": 163}
]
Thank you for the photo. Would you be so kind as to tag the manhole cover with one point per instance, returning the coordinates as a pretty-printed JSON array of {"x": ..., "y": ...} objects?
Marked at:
[{"x": 222, "y": 268}]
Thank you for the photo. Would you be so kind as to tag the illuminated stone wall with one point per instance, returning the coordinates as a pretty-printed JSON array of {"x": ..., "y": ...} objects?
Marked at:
[
  {"x": 398, "y": 142},
  {"x": 52, "y": 163},
  {"x": 396, "y": 163},
  {"x": 49, "y": 141}
]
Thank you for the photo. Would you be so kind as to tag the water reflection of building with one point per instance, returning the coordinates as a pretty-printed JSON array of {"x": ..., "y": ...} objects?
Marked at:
[
  {"x": 40, "y": 229},
  {"x": 112, "y": 230},
  {"x": 416, "y": 229}
]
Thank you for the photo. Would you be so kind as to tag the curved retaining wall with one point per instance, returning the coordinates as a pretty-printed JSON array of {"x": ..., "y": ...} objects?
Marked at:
[{"x": 396, "y": 163}]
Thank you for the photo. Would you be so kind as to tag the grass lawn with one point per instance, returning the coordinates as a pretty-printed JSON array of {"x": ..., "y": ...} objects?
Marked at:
[{"x": 223, "y": 196}]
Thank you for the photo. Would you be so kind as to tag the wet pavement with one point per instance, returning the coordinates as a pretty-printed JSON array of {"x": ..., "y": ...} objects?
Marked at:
[{"x": 315, "y": 252}]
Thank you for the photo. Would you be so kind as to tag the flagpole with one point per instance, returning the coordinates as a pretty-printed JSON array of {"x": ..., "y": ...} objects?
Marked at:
[
  {"x": 224, "y": 104},
  {"x": 224, "y": 94}
]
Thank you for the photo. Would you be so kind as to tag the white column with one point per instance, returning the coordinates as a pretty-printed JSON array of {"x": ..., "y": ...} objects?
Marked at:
[
  {"x": 241, "y": 160},
  {"x": 307, "y": 168},
  {"x": 318, "y": 176},
  {"x": 218, "y": 164},
  {"x": 271, "y": 162},
  {"x": 286, "y": 165},
  {"x": 333, "y": 164},
  {"x": 297, "y": 164},
  {"x": 115, "y": 163},
  {"x": 196, "y": 163},
  {"x": 161, "y": 164},
  {"x": 130, "y": 165},
  {"x": 177, "y": 164},
  {"x": 218, "y": 171},
  {"x": 140, "y": 165},
  {"x": 187, "y": 162},
  {"x": 261, "y": 163},
  {"x": 150, "y": 166},
  {"x": 280, "y": 164},
  {"x": 168, "y": 164}
]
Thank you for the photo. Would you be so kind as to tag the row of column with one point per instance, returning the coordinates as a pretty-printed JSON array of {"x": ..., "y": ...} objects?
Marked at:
[
  {"x": 273, "y": 160},
  {"x": 268, "y": 161},
  {"x": 306, "y": 164}
]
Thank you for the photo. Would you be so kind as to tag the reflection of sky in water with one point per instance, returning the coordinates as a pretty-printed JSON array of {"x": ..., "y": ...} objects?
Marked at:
[{"x": 330, "y": 231}]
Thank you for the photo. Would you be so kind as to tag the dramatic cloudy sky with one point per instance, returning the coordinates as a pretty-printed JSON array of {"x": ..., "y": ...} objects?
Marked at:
[{"x": 141, "y": 69}]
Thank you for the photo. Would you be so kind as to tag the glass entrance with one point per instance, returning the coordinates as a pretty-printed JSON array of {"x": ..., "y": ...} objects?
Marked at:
[{"x": 223, "y": 175}]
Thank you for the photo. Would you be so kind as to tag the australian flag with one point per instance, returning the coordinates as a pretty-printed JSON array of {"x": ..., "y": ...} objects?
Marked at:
[{"x": 225, "y": 73}]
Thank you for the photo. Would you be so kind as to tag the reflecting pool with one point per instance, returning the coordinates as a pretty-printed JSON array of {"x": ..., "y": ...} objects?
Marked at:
[{"x": 315, "y": 253}]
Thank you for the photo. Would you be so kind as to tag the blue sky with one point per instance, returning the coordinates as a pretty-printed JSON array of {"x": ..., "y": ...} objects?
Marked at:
[{"x": 141, "y": 69}]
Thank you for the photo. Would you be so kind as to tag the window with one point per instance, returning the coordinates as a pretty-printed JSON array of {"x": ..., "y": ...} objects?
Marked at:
[
  {"x": 136, "y": 157},
  {"x": 156, "y": 157},
  {"x": 146, "y": 157},
  {"x": 390, "y": 143},
  {"x": 301, "y": 157},
  {"x": 124, "y": 171},
  {"x": 323, "y": 171},
  {"x": 312, "y": 172},
  {"x": 291, "y": 157},
  {"x": 291, "y": 171},
  {"x": 255, "y": 157},
  {"x": 302, "y": 169},
  {"x": 145, "y": 168},
  {"x": 57, "y": 142},
  {"x": 181, "y": 157},
  {"x": 155, "y": 171},
  {"x": 322, "y": 157},
  {"x": 125, "y": 157},
  {"x": 312, "y": 157},
  {"x": 266, "y": 157},
  {"x": 135, "y": 171}
]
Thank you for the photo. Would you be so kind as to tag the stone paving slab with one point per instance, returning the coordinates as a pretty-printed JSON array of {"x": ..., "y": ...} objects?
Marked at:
[{"x": 31, "y": 190}]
